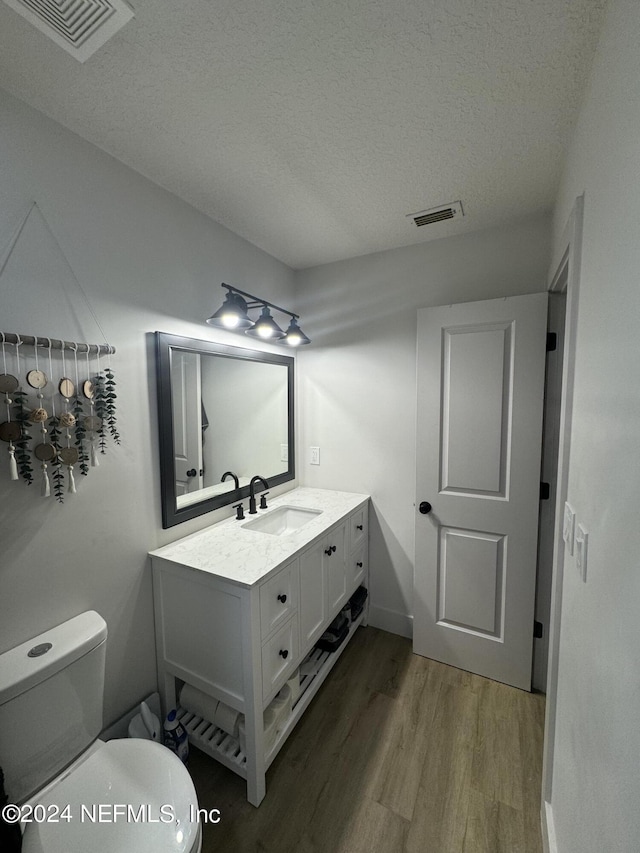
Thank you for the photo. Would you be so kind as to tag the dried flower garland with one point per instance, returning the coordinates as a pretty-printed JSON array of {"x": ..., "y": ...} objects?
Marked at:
[{"x": 69, "y": 436}]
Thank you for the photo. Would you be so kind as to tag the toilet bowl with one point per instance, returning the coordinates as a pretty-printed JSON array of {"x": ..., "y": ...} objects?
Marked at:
[
  {"x": 122, "y": 795},
  {"x": 78, "y": 794}
]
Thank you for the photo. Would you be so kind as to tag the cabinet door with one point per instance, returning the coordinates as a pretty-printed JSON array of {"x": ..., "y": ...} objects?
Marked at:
[
  {"x": 358, "y": 528},
  {"x": 278, "y": 598},
  {"x": 334, "y": 561},
  {"x": 358, "y": 567},
  {"x": 279, "y": 656},
  {"x": 313, "y": 596}
]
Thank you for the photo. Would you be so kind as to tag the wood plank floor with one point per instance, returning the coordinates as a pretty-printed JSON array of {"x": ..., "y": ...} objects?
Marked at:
[{"x": 396, "y": 754}]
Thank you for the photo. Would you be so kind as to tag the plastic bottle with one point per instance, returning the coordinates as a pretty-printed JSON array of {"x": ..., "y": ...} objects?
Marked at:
[{"x": 175, "y": 736}]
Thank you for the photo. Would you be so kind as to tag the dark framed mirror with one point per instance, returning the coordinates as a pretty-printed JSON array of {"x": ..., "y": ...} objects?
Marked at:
[{"x": 225, "y": 414}]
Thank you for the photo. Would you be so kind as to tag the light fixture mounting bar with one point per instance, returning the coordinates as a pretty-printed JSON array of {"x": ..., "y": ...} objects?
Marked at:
[{"x": 255, "y": 302}]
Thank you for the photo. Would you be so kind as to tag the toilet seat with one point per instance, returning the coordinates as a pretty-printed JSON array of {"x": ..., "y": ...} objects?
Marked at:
[{"x": 147, "y": 782}]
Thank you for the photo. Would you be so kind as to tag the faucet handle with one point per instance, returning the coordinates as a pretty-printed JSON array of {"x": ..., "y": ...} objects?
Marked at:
[
  {"x": 263, "y": 500},
  {"x": 239, "y": 511}
]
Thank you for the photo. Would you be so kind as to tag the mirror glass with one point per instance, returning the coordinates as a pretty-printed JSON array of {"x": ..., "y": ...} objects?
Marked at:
[{"x": 225, "y": 414}]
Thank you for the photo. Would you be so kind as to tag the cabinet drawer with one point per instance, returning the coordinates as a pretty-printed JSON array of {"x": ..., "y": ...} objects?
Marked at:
[
  {"x": 358, "y": 528},
  {"x": 279, "y": 657},
  {"x": 358, "y": 567},
  {"x": 278, "y": 598}
]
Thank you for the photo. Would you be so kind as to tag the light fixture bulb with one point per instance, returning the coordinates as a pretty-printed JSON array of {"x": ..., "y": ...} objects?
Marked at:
[
  {"x": 232, "y": 314},
  {"x": 266, "y": 327},
  {"x": 295, "y": 337}
]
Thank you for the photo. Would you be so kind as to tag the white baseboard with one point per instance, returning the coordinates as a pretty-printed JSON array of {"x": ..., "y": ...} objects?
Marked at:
[
  {"x": 391, "y": 620},
  {"x": 549, "y": 844}
]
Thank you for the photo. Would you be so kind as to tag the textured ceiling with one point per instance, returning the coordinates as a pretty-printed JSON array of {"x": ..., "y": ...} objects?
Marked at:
[{"x": 311, "y": 127}]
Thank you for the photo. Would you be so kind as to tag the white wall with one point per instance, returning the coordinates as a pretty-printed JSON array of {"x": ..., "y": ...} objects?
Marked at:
[
  {"x": 596, "y": 778},
  {"x": 147, "y": 261},
  {"x": 357, "y": 381}
]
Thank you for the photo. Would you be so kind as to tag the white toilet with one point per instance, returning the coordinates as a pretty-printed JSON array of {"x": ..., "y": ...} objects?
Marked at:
[{"x": 122, "y": 795}]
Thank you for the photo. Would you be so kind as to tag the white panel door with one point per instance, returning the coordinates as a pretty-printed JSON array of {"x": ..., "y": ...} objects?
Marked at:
[
  {"x": 480, "y": 403},
  {"x": 187, "y": 428}
]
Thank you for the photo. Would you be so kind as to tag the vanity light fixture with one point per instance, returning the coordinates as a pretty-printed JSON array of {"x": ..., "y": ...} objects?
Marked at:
[{"x": 233, "y": 315}]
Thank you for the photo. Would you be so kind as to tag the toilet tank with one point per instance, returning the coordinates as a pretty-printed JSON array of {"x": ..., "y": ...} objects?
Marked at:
[{"x": 51, "y": 691}]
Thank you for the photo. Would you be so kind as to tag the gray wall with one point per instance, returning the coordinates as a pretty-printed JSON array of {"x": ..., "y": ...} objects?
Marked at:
[
  {"x": 147, "y": 261},
  {"x": 596, "y": 783},
  {"x": 358, "y": 381}
]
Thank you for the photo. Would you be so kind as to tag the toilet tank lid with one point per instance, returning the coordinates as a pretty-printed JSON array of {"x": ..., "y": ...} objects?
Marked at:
[{"x": 69, "y": 642}]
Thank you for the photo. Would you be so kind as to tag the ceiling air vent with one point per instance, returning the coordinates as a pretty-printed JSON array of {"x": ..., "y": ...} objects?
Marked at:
[
  {"x": 79, "y": 26},
  {"x": 437, "y": 214}
]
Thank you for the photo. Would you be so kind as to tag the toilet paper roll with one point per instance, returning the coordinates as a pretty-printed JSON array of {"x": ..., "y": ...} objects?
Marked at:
[
  {"x": 281, "y": 706},
  {"x": 294, "y": 686},
  {"x": 199, "y": 703},
  {"x": 270, "y": 720},
  {"x": 227, "y": 719}
]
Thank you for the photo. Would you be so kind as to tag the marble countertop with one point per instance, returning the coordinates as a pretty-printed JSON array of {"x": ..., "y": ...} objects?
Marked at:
[{"x": 234, "y": 553}]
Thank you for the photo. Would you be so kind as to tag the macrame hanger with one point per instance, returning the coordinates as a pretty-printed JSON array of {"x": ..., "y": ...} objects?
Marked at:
[
  {"x": 93, "y": 459},
  {"x": 75, "y": 364},
  {"x": 10, "y": 383},
  {"x": 94, "y": 443},
  {"x": 39, "y": 393},
  {"x": 45, "y": 489},
  {"x": 18, "y": 344},
  {"x": 71, "y": 454}
]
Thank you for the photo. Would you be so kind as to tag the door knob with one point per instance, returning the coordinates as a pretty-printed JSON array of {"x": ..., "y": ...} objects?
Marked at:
[
  {"x": 425, "y": 507},
  {"x": 191, "y": 472}
]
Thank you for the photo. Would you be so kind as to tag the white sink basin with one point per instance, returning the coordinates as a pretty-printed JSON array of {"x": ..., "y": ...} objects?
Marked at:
[{"x": 283, "y": 520}]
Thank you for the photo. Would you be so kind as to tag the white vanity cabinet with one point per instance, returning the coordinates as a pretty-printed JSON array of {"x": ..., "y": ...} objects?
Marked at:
[{"x": 237, "y": 612}]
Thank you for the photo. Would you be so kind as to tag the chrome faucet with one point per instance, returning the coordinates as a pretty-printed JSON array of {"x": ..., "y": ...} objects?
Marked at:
[
  {"x": 252, "y": 494},
  {"x": 230, "y": 474}
]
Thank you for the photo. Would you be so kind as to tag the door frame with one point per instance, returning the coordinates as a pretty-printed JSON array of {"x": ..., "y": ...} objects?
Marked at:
[{"x": 564, "y": 274}]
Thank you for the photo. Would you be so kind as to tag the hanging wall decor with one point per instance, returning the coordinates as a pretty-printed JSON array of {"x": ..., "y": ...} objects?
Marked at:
[
  {"x": 59, "y": 405},
  {"x": 51, "y": 421}
]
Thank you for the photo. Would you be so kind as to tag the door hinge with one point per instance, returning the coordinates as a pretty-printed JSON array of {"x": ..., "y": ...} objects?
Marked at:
[
  {"x": 552, "y": 341},
  {"x": 538, "y": 630},
  {"x": 545, "y": 491}
]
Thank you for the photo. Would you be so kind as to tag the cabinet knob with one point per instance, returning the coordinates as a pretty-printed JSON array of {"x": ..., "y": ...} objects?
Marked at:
[
  {"x": 359, "y": 565},
  {"x": 330, "y": 550},
  {"x": 284, "y": 653},
  {"x": 282, "y": 598},
  {"x": 359, "y": 527}
]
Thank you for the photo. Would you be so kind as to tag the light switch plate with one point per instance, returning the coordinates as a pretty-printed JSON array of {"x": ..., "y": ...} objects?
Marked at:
[
  {"x": 314, "y": 457},
  {"x": 568, "y": 527},
  {"x": 284, "y": 452},
  {"x": 582, "y": 541}
]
